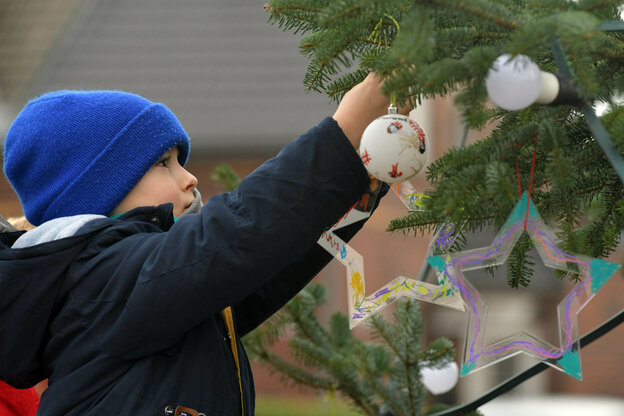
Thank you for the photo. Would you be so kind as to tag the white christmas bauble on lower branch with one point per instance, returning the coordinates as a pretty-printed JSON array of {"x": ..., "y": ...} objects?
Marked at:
[
  {"x": 440, "y": 380},
  {"x": 394, "y": 148}
]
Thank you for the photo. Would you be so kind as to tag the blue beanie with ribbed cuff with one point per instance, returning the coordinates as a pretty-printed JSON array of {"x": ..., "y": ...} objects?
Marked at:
[{"x": 81, "y": 152}]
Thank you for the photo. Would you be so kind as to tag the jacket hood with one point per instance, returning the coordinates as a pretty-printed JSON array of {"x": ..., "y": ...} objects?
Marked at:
[
  {"x": 33, "y": 284},
  {"x": 5, "y": 226},
  {"x": 33, "y": 265}
]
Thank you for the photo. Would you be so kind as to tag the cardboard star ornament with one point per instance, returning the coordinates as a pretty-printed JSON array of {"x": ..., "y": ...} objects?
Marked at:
[
  {"x": 592, "y": 275},
  {"x": 363, "y": 306}
]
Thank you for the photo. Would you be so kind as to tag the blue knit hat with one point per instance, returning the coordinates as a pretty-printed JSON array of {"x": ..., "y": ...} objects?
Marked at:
[{"x": 81, "y": 152}]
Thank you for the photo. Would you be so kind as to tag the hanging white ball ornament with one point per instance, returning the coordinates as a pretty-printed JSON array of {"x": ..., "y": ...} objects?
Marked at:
[
  {"x": 513, "y": 84},
  {"x": 440, "y": 380},
  {"x": 394, "y": 148}
]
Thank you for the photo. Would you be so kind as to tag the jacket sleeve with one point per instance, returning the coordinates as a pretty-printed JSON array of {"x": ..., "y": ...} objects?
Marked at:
[
  {"x": 237, "y": 244},
  {"x": 275, "y": 293}
]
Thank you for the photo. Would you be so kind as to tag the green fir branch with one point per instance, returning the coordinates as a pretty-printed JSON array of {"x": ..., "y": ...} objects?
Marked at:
[
  {"x": 226, "y": 176},
  {"x": 488, "y": 11},
  {"x": 438, "y": 354},
  {"x": 339, "y": 87},
  {"x": 297, "y": 374},
  {"x": 519, "y": 269}
]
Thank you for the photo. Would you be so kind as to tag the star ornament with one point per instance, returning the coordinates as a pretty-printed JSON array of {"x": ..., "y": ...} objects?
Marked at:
[
  {"x": 593, "y": 274},
  {"x": 363, "y": 306}
]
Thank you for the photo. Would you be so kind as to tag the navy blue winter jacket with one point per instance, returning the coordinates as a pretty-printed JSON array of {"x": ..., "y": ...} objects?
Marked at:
[{"x": 123, "y": 317}]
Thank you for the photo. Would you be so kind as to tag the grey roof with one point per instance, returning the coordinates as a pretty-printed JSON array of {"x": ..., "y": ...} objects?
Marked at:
[{"x": 234, "y": 81}]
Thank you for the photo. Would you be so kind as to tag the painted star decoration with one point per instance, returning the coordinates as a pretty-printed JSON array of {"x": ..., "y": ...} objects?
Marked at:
[
  {"x": 592, "y": 275},
  {"x": 363, "y": 306}
]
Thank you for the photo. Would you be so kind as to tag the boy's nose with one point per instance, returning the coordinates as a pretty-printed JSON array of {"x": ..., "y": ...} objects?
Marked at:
[{"x": 190, "y": 181}]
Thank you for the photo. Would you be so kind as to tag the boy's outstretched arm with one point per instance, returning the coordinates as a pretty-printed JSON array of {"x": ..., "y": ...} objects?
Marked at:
[
  {"x": 272, "y": 296},
  {"x": 358, "y": 108},
  {"x": 241, "y": 240}
]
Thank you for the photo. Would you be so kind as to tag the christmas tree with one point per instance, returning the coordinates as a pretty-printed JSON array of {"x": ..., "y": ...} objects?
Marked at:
[
  {"x": 429, "y": 48},
  {"x": 563, "y": 155}
]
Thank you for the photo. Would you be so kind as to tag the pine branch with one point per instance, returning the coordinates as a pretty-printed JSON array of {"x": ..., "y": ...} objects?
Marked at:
[
  {"x": 352, "y": 386},
  {"x": 341, "y": 9},
  {"x": 373, "y": 362},
  {"x": 319, "y": 348},
  {"x": 608, "y": 6},
  {"x": 309, "y": 329},
  {"x": 519, "y": 271},
  {"x": 338, "y": 88},
  {"x": 438, "y": 354},
  {"x": 297, "y": 374},
  {"x": 333, "y": 359},
  {"x": 483, "y": 10},
  {"x": 293, "y": 15},
  {"x": 407, "y": 317},
  {"x": 227, "y": 177},
  {"x": 385, "y": 332}
]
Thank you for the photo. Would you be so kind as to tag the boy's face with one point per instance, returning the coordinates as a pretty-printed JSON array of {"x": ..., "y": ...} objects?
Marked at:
[{"x": 166, "y": 181}]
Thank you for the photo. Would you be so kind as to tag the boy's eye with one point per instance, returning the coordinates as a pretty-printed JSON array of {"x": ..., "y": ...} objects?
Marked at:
[{"x": 163, "y": 162}]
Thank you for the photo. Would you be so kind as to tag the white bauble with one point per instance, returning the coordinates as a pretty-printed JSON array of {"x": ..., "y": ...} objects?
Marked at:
[
  {"x": 394, "y": 148},
  {"x": 440, "y": 380},
  {"x": 513, "y": 84}
]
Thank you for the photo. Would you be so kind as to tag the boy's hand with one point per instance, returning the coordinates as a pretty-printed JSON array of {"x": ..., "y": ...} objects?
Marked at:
[{"x": 360, "y": 106}]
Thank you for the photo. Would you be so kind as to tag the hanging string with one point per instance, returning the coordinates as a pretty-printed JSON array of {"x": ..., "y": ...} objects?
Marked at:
[{"x": 526, "y": 219}]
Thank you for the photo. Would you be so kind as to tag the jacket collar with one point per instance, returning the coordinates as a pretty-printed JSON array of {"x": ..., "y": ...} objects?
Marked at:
[{"x": 160, "y": 216}]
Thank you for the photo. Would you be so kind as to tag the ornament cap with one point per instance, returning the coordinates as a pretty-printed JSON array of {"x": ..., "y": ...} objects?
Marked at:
[{"x": 392, "y": 109}]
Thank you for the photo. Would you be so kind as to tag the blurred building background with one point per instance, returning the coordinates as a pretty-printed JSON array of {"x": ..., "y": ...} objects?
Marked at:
[{"x": 235, "y": 83}]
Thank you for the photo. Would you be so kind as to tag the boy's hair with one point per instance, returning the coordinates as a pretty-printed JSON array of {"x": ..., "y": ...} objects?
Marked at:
[
  {"x": 20, "y": 223},
  {"x": 81, "y": 152}
]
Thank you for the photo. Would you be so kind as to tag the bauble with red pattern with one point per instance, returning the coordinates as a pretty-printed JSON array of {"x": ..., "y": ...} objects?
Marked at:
[{"x": 394, "y": 148}]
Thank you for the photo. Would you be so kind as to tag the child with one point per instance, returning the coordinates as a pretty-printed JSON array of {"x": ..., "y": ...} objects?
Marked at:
[
  {"x": 18, "y": 402},
  {"x": 128, "y": 309}
]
